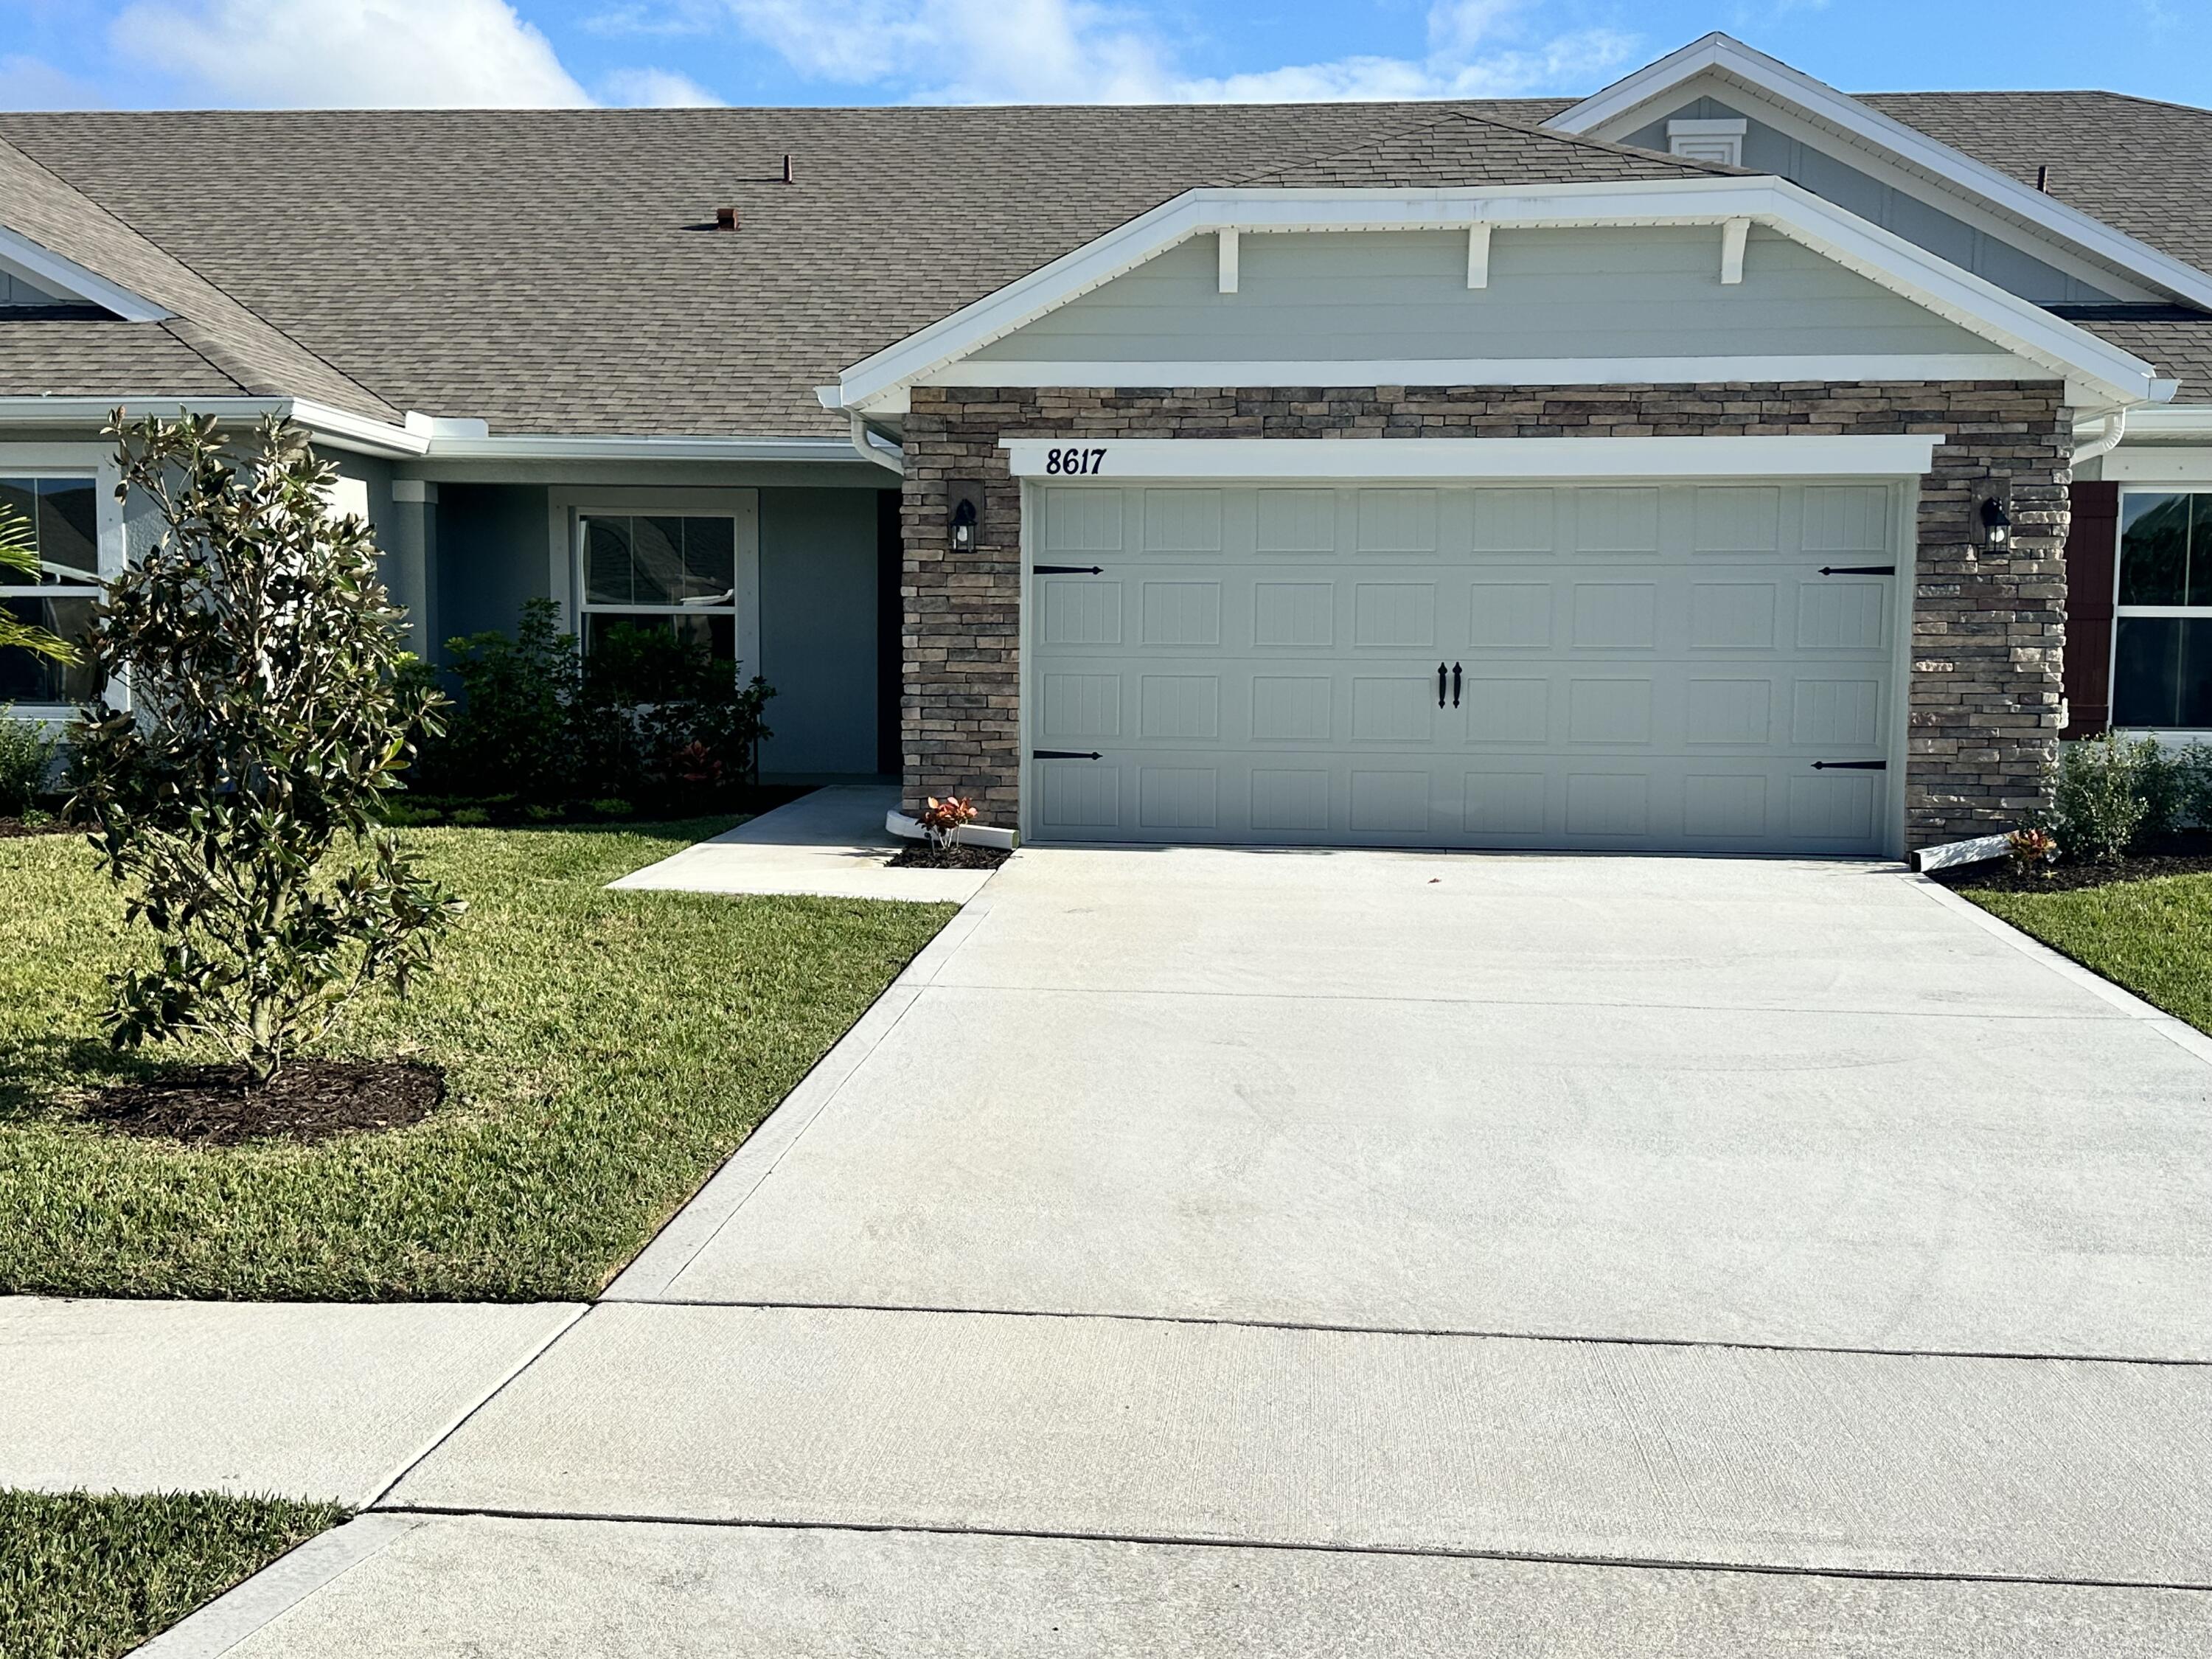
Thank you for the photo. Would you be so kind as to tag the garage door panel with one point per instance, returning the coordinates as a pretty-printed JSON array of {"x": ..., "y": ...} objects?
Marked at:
[{"x": 1639, "y": 666}]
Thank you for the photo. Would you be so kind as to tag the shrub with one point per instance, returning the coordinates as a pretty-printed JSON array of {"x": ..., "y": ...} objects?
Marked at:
[
  {"x": 266, "y": 727},
  {"x": 512, "y": 733},
  {"x": 2192, "y": 775},
  {"x": 645, "y": 713},
  {"x": 2032, "y": 851},
  {"x": 27, "y": 758},
  {"x": 2098, "y": 805}
]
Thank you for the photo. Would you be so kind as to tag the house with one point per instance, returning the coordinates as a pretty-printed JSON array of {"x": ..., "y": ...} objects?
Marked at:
[{"x": 1719, "y": 462}]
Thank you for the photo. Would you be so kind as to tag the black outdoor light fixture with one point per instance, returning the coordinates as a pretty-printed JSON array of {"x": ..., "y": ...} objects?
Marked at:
[
  {"x": 1996, "y": 523},
  {"x": 966, "y": 495}
]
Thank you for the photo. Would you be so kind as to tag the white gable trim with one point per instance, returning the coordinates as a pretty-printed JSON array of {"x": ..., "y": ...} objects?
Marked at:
[
  {"x": 1487, "y": 371},
  {"x": 1804, "y": 456},
  {"x": 2100, "y": 376},
  {"x": 43, "y": 268},
  {"x": 1736, "y": 62}
]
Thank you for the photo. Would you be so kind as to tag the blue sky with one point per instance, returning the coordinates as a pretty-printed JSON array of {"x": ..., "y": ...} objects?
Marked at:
[{"x": 150, "y": 53}]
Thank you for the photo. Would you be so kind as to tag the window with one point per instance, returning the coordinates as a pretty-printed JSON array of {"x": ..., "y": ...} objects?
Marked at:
[
  {"x": 2163, "y": 631},
  {"x": 65, "y": 529},
  {"x": 674, "y": 573}
]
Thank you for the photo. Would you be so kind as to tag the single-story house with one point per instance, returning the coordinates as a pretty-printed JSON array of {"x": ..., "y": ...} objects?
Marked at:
[{"x": 1719, "y": 462}]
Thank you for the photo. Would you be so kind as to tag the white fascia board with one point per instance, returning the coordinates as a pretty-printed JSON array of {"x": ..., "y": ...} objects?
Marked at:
[
  {"x": 1452, "y": 459},
  {"x": 2107, "y": 376},
  {"x": 334, "y": 427},
  {"x": 1493, "y": 371},
  {"x": 1729, "y": 57},
  {"x": 45, "y": 269},
  {"x": 525, "y": 446}
]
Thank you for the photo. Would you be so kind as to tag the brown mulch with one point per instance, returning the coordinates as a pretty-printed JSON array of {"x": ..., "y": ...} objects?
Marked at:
[
  {"x": 310, "y": 1100},
  {"x": 2185, "y": 855},
  {"x": 11, "y": 827},
  {"x": 920, "y": 855}
]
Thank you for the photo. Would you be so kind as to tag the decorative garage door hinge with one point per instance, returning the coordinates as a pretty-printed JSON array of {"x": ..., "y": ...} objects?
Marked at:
[
  {"x": 1066, "y": 754},
  {"x": 1859, "y": 570},
  {"x": 1067, "y": 570},
  {"x": 1850, "y": 766}
]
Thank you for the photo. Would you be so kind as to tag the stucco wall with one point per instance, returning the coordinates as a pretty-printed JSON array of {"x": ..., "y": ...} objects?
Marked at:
[{"x": 1987, "y": 627}]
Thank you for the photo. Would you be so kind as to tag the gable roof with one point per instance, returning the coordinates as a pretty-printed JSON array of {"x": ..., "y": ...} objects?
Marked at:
[
  {"x": 550, "y": 271},
  {"x": 1862, "y": 122},
  {"x": 198, "y": 340}
]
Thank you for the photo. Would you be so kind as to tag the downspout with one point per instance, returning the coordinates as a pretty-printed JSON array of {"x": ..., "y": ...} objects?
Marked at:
[
  {"x": 2116, "y": 427},
  {"x": 891, "y": 458}
]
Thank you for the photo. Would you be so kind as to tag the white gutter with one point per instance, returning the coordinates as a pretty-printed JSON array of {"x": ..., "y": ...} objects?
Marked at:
[
  {"x": 334, "y": 425},
  {"x": 423, "y": 437},
  {"x": 2116, "y": 427},
  {"x": 896, "y": 460},
  {"x": 2186, "y": 421}
]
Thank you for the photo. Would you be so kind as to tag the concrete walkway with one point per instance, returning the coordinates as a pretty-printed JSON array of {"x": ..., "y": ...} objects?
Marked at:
[
  {"x": 1322, "y": 1253},
  {"x": 830, "y": 843}
]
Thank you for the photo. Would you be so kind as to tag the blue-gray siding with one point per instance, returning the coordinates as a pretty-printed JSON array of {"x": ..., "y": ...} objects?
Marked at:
[
  {"x": 1630, "y": 292},
  {"x": 1766, "y": 149}
]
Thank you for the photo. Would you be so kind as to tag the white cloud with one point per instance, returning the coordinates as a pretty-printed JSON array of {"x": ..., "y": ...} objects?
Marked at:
[
  {"x": 658, "y": 88},
  {"x": 965, "y": 51},
  {"x": 350, "y": 53},
  {"x": 33, "y": 83},
  {"x": 1073, "y": 50}
]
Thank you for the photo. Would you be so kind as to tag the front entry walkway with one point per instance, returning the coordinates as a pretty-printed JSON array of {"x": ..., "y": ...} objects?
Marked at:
[{"x": 1219, "y": 1252}]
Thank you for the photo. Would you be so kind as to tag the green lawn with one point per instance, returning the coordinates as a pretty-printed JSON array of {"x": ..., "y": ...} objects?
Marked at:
[
  {"x": 2153, "y": 937},
  {"x": 83, "y": 1576},
  {"x": 604, "y": 1052}
]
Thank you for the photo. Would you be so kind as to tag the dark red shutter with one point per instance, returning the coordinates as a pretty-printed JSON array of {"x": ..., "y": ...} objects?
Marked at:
[{"x": 2092, "y": 545}]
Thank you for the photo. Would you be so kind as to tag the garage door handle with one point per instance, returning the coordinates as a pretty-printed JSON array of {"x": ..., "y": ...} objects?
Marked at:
[
  {"x": 1455, "y": 685},
  {"x": 1066, "y": 754},
  {"x": 1440, "y": 685},
  {"x": 1850, "y": 766},
  {"x": 1859, "y": 570},
  {"x": 1067, "y": 570}
]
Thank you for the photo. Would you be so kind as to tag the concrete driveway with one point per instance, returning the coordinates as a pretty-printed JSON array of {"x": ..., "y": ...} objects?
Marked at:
[{"x": 1234, "y": 1252}]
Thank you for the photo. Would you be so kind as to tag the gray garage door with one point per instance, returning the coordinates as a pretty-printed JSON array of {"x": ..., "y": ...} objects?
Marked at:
[{"x": 1692, "y": 667}]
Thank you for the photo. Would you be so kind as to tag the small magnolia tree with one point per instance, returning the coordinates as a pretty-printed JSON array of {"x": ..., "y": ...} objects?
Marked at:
[{"x": 265, "y": 722}]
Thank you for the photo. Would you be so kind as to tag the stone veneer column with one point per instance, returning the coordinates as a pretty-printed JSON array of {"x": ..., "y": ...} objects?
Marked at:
[{"x": 1987, "y": 628}]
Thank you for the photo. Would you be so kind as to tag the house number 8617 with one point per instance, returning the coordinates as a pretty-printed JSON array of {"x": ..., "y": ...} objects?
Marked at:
[{"x": 1075, "y": 462}]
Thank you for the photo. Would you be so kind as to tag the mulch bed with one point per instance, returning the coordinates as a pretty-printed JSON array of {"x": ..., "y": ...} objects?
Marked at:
[
  {"x": 11, "y": 827},
  {"x": 310, "y": 1100},
  {"x": 920, "y": 855},
  {"x": 2186, "y": 855}
]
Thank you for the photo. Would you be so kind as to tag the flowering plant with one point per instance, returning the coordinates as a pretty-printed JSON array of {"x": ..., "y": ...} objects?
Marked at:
[{"x": 941, "y": 820}]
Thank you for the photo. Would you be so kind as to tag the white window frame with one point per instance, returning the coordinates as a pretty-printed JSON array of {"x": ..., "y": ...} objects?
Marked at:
[
  {"x": 97, "y": 462},
  {"x": 570, "y": 508},
  {"x": 2178, "y": 736}
]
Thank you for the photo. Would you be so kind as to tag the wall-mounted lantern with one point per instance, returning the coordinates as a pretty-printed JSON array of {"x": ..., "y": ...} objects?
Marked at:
[
  {"x": 965, "y": 497},
  {"x": 1997, "y": 524}
]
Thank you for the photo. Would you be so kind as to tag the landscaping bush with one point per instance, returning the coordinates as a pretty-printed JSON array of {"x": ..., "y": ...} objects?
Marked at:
[
  {"x": 267, "y": 724},
  {"x": 644, "y": 716},
  {"x": 26, "y": 758},
  {"x": 2103, "y": 792}
]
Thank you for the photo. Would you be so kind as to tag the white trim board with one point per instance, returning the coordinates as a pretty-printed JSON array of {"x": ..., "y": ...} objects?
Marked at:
[
  {"x": 1491, "y": 371},
  {"x": 1460, "y": 458},
  {"x": 57, "y": 273},
  {"x": 1607, "y": 111},
  {"x": 2100, "y": 376}
]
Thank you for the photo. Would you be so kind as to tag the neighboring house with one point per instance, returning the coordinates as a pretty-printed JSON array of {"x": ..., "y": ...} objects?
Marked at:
[{"x": 1689, "y": 467}]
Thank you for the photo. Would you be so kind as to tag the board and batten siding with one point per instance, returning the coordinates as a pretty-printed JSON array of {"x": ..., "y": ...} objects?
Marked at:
[
  {"x": 1397, "y": 296},
  {"x": 1768, "y": 150}
]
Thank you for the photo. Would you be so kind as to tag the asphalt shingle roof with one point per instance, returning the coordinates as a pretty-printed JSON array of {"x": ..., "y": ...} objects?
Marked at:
[
  {"x": 213, "y": 345},
  {"x": 554, "y": 270}
]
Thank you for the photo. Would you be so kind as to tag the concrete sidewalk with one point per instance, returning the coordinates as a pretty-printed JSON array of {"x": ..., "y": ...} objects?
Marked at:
[
  {"x": 830, "y": 843},
  {"x": 1371, "y": 1253},
  {"x": 308, "y": 1399}
]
